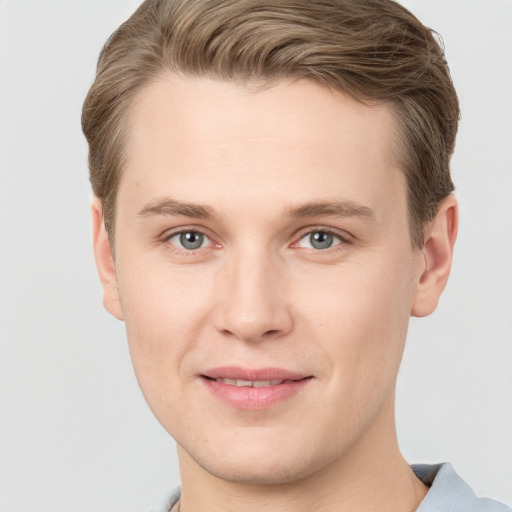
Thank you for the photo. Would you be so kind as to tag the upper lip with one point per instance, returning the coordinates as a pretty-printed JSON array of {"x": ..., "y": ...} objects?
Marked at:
[{"x": 252, "y": 374}]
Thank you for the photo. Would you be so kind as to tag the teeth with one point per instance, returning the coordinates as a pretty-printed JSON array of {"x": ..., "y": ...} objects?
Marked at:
[
  {"x": 240, "y": 382},
  {"x": 250, "y": 383},
  {"x": 261, "y": 383}
]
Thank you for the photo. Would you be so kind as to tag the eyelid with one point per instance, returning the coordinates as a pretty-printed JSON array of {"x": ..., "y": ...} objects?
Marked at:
[
  {"x": 204, "y": 240},
  {"x": 170, "y": 233},
  {"x": 342, "y": 235}
]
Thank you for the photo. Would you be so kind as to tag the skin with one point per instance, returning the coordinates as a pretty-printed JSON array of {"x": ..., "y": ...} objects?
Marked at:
[{"x": 256, "y": 294}]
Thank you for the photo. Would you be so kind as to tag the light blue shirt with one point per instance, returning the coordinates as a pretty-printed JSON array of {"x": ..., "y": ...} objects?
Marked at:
[{"x": 448, "y": 493}]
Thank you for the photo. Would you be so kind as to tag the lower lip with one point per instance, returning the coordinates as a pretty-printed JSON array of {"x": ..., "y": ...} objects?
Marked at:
[{"x": 244, "y": 397}]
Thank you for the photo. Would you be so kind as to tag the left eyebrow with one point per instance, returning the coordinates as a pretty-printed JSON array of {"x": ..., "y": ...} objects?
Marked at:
[
  {"x": 168, "y": 206},
  {"x": 332, "y": 208}
]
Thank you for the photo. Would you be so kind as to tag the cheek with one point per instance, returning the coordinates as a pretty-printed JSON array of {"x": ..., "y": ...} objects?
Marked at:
[
  {"x": 165, "y": 312},
  {"x": 361, "y": 313}
]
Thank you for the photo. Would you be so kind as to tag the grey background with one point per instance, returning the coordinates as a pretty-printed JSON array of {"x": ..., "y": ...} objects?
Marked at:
[{"x": 75, "y": 433}]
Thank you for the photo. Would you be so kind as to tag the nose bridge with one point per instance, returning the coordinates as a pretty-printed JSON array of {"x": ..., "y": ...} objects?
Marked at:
[{"x": 254, "y": 303}]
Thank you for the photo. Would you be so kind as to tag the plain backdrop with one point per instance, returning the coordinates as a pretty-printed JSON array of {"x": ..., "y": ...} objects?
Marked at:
[{"x": 75, "y": 433}]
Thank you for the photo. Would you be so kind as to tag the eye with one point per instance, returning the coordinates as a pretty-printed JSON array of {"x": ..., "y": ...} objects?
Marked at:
[
  {"x": 189, "y": 240},
  {"x": 319, "y": 240}
]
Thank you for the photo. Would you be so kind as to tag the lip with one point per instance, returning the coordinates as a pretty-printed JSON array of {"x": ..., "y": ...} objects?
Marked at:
[{"x": 254, "y": 398}]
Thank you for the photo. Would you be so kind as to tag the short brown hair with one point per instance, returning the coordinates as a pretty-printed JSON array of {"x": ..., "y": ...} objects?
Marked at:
[{"x": 374, "y": 50}]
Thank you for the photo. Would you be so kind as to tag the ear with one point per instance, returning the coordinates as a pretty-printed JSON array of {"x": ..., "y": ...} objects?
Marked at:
[
  {"x": 436, "y": 258},
  {"x": 105, "y": 261}
]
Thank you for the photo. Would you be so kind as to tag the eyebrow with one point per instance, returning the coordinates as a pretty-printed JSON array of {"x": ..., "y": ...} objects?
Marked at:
[
  {"x": 332, "y": 208},
  {"x": 168, "y": 206}
]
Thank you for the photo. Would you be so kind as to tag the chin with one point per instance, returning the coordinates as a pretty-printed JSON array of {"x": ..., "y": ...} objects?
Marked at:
[
  {"x": 257, "y": 463},
  {"x": 266, "y": 474}
]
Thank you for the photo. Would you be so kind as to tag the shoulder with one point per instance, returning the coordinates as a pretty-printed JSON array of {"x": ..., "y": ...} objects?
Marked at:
[
  {"x": 168, "y": 502},
  {"x": 449, "y": 493}
]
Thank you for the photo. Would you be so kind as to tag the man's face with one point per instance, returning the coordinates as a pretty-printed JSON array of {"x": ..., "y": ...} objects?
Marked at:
[{"x": 262, "y": 235}]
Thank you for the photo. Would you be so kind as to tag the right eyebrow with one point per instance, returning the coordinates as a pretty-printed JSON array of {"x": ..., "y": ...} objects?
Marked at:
[
  {"x": 169, "y": 206},
  {"x": 332, "y": 208}
]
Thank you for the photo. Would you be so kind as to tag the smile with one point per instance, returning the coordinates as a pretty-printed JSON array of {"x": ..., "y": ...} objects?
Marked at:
[
  {"x": 254, "y": 389},
  {"x": 251, "y": 383}
]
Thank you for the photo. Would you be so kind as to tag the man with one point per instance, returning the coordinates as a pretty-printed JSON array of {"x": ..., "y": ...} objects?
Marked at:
[{"x": 272, "y": 203}]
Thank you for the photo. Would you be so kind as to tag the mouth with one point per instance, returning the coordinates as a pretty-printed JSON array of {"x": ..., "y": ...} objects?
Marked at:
[
  {"x": 251, "y": 383},
  {"x": 254, "y": 388}
]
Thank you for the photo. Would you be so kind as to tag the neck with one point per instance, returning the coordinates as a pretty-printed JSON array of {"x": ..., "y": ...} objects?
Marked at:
[{"x": 371, "y": 475}]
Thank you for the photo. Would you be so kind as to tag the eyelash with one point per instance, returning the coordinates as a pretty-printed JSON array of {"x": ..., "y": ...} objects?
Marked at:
[
  {"x": 182, "y": 250},
  {"x": 343, "y": 240}
]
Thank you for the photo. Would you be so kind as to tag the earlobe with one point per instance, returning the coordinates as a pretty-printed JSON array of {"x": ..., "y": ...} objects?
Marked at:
[
  {"x": 105, "y": 261},
  {"x": 436, "y": 258}
]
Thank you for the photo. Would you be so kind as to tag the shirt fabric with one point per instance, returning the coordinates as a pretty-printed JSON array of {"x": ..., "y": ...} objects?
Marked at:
[{"x": 448, "y": 493}]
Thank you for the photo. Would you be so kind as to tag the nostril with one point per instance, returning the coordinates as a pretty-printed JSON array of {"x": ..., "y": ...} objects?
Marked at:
[{"x": 253, "y": 321}]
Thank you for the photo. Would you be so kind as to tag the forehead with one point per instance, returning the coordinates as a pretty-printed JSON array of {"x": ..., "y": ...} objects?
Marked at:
[{"x": 207, "y": 140}]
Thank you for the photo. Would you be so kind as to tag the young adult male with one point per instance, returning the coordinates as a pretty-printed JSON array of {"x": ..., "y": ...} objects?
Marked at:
[{"x": 272, "y": 203}]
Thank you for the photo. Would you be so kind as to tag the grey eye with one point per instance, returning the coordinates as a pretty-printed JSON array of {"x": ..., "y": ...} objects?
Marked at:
[
  {"x": 319, "y": 240},
  {"x": 189, "y": 240}
]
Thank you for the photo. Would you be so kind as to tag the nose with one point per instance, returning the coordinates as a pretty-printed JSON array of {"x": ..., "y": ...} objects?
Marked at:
[{"x": 253, "y": 304}]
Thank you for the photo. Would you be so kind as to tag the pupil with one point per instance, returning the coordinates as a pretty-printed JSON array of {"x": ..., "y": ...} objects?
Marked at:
[
  {"x": 191, "y": 240},
  {"x": 321, "y": 240}
]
